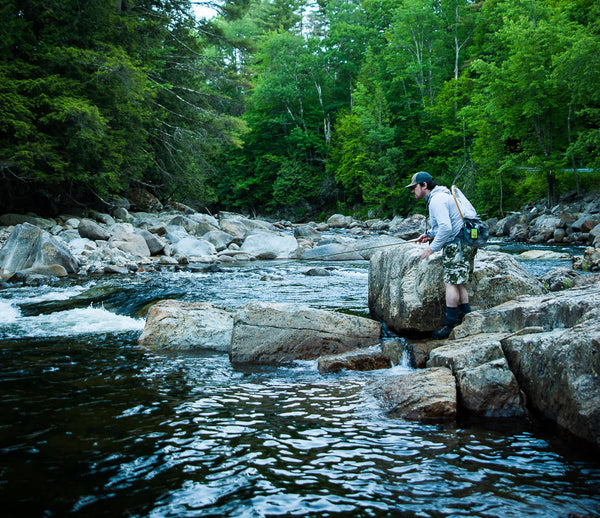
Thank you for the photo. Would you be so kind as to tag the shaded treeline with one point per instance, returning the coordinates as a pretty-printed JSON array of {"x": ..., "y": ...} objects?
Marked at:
[{"x": 297, "y": 107}]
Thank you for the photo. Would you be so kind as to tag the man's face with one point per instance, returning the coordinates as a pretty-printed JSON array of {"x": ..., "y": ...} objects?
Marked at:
[{"x": 419, "y": 192}]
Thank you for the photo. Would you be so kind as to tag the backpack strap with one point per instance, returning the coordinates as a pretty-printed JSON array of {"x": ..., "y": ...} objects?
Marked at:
[{"x": 456, "y": 201}]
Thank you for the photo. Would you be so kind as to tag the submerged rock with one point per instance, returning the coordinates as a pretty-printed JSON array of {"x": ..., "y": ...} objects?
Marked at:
[
  {"x": 369, "y": 359},
  {"x": 424, "y": 395}
]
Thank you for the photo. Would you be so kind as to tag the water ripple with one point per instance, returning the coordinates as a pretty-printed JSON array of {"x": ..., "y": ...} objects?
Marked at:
[{"x": 93, "y": 426}]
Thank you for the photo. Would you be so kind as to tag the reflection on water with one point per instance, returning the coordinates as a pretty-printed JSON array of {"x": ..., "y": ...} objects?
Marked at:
[
  {"x": 105, "y": 430},
  {"x": 94, "y": 426}
]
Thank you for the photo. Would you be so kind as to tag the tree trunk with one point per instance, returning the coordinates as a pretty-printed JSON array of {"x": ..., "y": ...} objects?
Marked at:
[{"x": 551, "y": 177}]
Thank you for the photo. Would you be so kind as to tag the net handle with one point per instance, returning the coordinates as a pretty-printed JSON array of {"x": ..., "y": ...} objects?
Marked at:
[{"x": 456, "y": 201}]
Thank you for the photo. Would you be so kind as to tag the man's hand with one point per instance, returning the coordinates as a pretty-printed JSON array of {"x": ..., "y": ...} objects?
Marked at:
[
  {"x": 426, "y": 253},
  {"x": 423, "y": 238}
]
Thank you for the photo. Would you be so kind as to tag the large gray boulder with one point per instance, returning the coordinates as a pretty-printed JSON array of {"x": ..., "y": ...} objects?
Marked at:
[
  {"x": 504, "y": 226},
  {"x": 29, "y": 246},
  {"x": 332, "y": 252},
  {"x": 91, "y": 230},
  {"x": 177, "y": 325},
  {"x": 236, "y": 226},
  {"x": 559, "y": 373},
  {"x": 194, "y": 247},
  {"x": 273, "y": 333},
  {"x": 552, "y": 345},
  {"x": 126, "y": 240},
  {"x": 204, "y": 223},
  {"x": 490, "y": 390},
  {"x": 221, "y": 240},
  {"x": 486, "y": 386},
  {"x": 407, "y": 292},
  {"x": 269, "y": 245},
  {"x": 339, "y": 221},
  {"x": 8, "y": 220},
  {"x": 370, "y": 245},
  {"x": 427, "y": 395},
  {"x": 545, "y": 225},
  {"x": 239, "y": 226},
  {"x": 307, "y": 232},
  {"x": 408, "y": 228},
  {"x": 155, "y": 245},
  {"x": 191, "y": 226}
]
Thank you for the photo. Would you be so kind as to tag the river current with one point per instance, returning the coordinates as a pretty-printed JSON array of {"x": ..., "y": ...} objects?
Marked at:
[{"x": 92, "y": 425}]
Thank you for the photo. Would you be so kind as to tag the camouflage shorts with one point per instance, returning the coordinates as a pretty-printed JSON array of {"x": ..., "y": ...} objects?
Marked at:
[{"x": 458, "y": 268}]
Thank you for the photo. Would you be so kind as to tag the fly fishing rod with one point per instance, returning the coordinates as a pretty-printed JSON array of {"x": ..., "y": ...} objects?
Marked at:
[{"x": 366, "y": 249}]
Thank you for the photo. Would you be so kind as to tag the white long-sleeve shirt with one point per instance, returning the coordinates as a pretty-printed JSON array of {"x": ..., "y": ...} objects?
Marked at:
[{"x": 444, "y": 217}]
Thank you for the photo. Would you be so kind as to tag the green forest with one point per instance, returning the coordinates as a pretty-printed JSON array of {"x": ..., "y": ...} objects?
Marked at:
[{"x": 297, "y": 108}]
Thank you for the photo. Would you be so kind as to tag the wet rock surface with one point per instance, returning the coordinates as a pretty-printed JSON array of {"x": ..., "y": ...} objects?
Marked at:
[
  {"x": 427, "y": 395},
  {"x": 279, "y": 333}
]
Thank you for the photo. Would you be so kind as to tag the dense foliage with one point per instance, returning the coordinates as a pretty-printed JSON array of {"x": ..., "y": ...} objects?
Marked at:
[
  {"x": 98, "y": 97},
  {"x": 298, "y": 107}
]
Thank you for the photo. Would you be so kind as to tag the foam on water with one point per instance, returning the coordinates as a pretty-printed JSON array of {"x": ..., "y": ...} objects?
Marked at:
[
  {"x": 9, "y": 313},
  {"x": 89, "y": 320}
]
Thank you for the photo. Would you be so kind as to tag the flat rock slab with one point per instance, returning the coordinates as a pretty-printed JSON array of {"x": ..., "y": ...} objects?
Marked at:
[
  {"x": 427, "y": 395},
  {"x": 177, "y": 325},
  {"x": 466, "y": 353},
  {"x": 273, "y": 333},
  {"x": 563, "y": 309}
]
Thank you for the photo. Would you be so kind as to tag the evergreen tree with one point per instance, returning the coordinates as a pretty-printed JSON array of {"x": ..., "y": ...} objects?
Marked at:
[{"x": 101, "y": 96}]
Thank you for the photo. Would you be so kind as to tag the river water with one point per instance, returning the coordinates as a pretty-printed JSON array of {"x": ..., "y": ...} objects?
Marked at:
[{"x": 92, "y": 425}]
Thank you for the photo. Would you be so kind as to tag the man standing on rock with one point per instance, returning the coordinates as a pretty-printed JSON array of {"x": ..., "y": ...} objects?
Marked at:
[{"x": 457, "y": 259}]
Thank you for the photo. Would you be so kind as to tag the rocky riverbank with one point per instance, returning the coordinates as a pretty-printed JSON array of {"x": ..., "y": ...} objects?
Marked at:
[
  {"x": 39, "y": 250},
  {"x": 572, "y": 220},
  {"x": 491, "y": 368}
]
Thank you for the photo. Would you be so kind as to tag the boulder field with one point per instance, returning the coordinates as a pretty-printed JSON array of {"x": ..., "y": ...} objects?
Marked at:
[{"x": 535, "y": 351}]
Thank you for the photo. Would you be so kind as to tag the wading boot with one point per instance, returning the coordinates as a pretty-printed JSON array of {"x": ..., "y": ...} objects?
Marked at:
[
  {"x": 463, "y": 309},
  {"x": 451, "y": 322}
]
